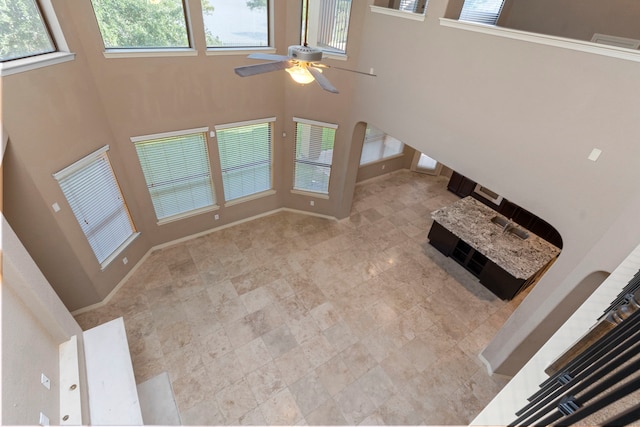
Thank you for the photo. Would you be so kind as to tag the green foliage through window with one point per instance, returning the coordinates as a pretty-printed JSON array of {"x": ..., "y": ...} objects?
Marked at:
[
  {"x": 236, "y": 23},
  {"x": 23, "y": 32},
  {"x": 142, "y": 23}
]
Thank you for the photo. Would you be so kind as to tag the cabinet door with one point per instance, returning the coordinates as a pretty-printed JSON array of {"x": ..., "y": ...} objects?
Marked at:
[
  {"x": 508, "y": 208},
  {"x": 466, "y": 188},
  {"x": 442, "y": 239},
  {"x": 461, "y": 185},
  {"x": 454, "y": 182},
  {"x": 498, "y": 281}
]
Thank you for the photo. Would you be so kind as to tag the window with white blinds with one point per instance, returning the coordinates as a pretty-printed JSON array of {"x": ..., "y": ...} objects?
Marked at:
[
  {"x": 415, "y": 6},
  {"x": 314, "y": 154},
  {"x": 176, "y": 169},
  {"x": 481, "y": 11},
  {"x": 378, "y": 146},
  {"x": 328, "y": 24},
  {"x": 93, "y": 193},
  {"x": 245, "y": 157}
]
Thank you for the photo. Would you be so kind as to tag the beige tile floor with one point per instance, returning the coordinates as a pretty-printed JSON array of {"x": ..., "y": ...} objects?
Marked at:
[{"x": 294, "y": 319}]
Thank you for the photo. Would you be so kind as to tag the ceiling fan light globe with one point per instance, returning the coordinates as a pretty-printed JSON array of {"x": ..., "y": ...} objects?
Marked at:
[{"x": 300, "y": 74}]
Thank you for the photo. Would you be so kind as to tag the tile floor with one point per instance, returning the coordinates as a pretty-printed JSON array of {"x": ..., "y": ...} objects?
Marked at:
[{"x": 293, "y": 319}]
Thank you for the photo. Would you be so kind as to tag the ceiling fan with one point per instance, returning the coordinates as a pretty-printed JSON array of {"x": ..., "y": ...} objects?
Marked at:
[{"x": 302, "y": 63}]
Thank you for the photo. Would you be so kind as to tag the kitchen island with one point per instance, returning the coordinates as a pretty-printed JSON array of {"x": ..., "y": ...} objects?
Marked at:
[{"x": 475, "y": 236}]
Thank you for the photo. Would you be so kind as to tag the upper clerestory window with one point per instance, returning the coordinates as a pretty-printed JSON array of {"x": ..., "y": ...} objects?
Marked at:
[
  {"x": 325, "y": 24},
  {"x": 142, "y": 24},
  {"x": 236, "y": 23},
  {"x": 24, "y": 30},
  {"x": 481, "y": 11},
  {"x": 30, "y": 36}
]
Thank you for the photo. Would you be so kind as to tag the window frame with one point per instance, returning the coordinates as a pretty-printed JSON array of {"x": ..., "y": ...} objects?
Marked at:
[
  {"x": 81, "y": 165},
  {"x": 398, "y": 13},
  {"x": 310, "y": 32},
  {"x": 244, "y": 50},
  {"x": 60, "y": 55},
  {"x": 382, "y": 157},
  {"x": 306, "y": 191},
  {"x": 270, "y": 191},
  {"x": 484, "y": 20},
  {"x": 150, "y": 52},
  {"x": 175, "y": 134}
]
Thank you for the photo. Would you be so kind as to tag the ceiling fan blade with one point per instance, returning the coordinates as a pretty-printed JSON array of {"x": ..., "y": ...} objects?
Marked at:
[
  {"x": 267, "y": 67},
  {"x": 322, "y": 80},
  {"x": 319, "y": 65},
  {"x": 268, "y": 57}
]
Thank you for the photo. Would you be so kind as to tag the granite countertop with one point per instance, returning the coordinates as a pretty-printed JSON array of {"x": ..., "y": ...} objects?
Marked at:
[{"x": 470, "y": 220}]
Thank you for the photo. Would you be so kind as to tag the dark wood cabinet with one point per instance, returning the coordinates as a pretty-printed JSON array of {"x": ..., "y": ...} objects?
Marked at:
[
  {"x": 469, "y": 258},
  {"x": 442, "y": 239},
  {"x": 498, "y": 281},
  {"x": 531, "y": 222},
  {"x": 493, "y": 277},
  {"x": 461, "y": 185}
]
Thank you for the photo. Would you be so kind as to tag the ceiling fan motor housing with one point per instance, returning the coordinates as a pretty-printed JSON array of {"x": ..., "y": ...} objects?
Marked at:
[{"x": 305, "y": 53}]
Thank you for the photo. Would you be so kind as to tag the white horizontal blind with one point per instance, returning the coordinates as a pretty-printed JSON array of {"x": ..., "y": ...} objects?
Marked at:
[
  {"x": 97, "y": 203},
  {"x": 378, "y": 146},
  {"x": 408, "y": 5},
  {"x": 177, "y": 172},
  {"x": 481, "y": 11},
  {"x": 314, "y": 155},
  {"x": 333, "y": 25},
  {"x": 245, "y": 158}
]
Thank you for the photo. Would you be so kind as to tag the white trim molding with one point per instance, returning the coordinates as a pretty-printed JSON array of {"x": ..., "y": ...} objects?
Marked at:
[
  {"x": 245, "y": 123},
  {"x": 397, "y": 13},
  {"x": 34, "y": 62},
  {"x": 315, "y": 123},
  {"x": 148, "y": 53},
  {"x": 188, "y": 214},
  {"x": 80, "y": 163},
  {"x": 143, "y": 138},
  {"x": 218, "y": 51},
  {"x": 561, "y": 42}
]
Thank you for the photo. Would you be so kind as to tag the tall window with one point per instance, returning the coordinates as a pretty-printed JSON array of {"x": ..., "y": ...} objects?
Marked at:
[
  {"x": 139, "y": 24},
  {"x": 245, "y": 157},
  {"x": 481, "y": 11},
  {"x": 378, "y": 145},
  {"x": 314, "y": 154},
  {"x": 97, "y": 203},
  {"x": 328, "y": 24},
  {"x": 236, "y": 23},
  {"x": 23, "y": 31},
  {"x": 415, "y": 6},
  {"x": 176, "y": 168}
]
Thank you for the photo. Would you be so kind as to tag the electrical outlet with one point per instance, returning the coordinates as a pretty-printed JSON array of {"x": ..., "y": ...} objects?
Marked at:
[
  {"x": 56, "y": 207},
  {"x": 383, "y": 166},
  {"x": 216, "y": 217},
  {"x": 312, "y": 203},
  {"x": 595, "y": 153},
  {"x": 125, "y": 261},
  {"x": 45, "y": 381}
]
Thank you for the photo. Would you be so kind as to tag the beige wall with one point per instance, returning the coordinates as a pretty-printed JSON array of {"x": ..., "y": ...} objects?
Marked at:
[
  {"x": 517, "y": 117},
  {"x": 510, "y": 114},
  {"x": 34, "y": 324},
  {"x": 34, "y": 351},
  {"x": 576, "y": 19},
  {"x": 58, "y": 114}
]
